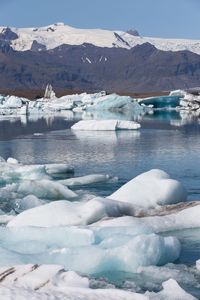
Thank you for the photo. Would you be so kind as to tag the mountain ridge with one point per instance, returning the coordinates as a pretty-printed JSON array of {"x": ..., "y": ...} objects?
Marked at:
[
  {"x": 86, "y": 67},
  {"x": 54, "y": 35}
]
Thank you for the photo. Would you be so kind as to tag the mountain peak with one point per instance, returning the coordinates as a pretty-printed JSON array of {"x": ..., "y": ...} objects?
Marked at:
[{"x": 133, "y": 32}]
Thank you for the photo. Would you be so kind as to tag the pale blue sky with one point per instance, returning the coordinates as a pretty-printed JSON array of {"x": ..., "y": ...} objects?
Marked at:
[{"x": 161, "y": 18}]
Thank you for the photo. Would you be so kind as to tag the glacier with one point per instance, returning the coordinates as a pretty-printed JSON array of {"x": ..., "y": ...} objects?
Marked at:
[{"x": 57, "y": 34}]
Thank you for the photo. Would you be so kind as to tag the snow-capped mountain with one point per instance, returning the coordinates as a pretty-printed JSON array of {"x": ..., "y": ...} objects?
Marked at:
[
  {"x": 52, "y": 36},
  {"x": 93, "y": 59}
]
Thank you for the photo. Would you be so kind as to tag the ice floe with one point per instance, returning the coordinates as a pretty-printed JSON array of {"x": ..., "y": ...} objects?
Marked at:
[
  {"x": 88, "y": 180},
  {"x": 44, "y": 282},
  {"x": 171, "y": 290},
  {"x": 150, "y": 189},
  {"x": 105, "y": 125},
  {"x": 45, "y": 189},
  {"x": 59, "y": 213},
  {"x": 87, "y": 250}
]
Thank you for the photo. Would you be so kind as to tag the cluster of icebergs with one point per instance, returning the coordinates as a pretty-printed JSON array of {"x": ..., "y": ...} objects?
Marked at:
[
  {"x": 99, "y": 104},
  {"x": 49, "y": 221},
  {"x": 78, "y": 103}
]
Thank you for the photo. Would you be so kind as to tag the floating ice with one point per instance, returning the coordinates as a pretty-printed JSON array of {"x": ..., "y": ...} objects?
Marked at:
[
  {"x": 105, "y": 125},
  {"x": 161, "y": 102},
  {"x": 88, "y": 250},
  {"x": 46, "y": 189},
  {"x": 88, "y": 180},
  {"x": 27, "y": 202},
  {"x": 13, "y": 170},
  {"x": 11, "y": 160},
  {"x": 46, "y": 282},
  {"x": 151, "y": 189},
  {"x": 115, "y": 102},
  {"x": 183, "y": 219},
  {"x": 171, "y": 291},
  {"x": 152, "y": 277},
  {"x": 55, "y": 169},
  {"x": 12, "y": 102},
  {"x": 60, "y": 213}
]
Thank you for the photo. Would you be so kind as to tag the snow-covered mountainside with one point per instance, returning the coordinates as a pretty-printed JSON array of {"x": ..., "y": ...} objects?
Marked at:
[{"x": 52, "y": 36}]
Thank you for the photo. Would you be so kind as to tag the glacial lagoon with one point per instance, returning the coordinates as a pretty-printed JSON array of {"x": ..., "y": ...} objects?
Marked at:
[{"x": 165, "y": 141}]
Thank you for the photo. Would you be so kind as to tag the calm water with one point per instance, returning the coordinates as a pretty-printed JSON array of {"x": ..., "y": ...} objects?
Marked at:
[{"x": 175, "y": 149}]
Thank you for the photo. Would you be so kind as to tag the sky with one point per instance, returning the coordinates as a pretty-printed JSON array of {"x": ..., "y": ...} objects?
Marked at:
[{"x": 157, "y": 18}]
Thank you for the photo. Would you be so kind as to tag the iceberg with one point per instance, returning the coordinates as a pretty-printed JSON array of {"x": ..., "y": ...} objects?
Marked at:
[
  {"x": 12, "y": 102},
  {"x": 184, "y": 218},
  {"x": 60, "y": 213},
  {"x": 45, "y": 189},
  {"x": 151, "y": 189},
  {"x": 27, "y": 202},
  {"x": 85, "y": 250},
  {"x": 162, "y": 102},
  {"x": 88, "y": 180},
  {"x": 12, "y": 170},
  {"x": 115, "y": 102},
  {"x": 105, "y": 125}
]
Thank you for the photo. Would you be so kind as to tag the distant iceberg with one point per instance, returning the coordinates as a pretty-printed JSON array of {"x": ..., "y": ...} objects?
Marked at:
[{"x": 96, "y": 125}]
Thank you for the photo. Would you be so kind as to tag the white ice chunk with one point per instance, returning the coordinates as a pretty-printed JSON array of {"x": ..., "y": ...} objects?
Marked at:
[
  {"x": 53, "y": 169},
  {"x": 59, "y": 213},
  {"x": 45, "y": 189},
  {"x": 105, "y": 125},
  {"x": 171, "y": 291},
  {"x": 198, "y": 264},
  {"x": 27, "y": 202},
  {"x": 184, "y": 219},
  {"x": 11, "y": 160},
  {"x": 12, "y": 102},
  {"x": 129, "y": 125},
  {"x": 127, "y": 256},
  {"x": 151, "y": 189},
  {"x": 88, "y": 179},
  {"x": 52, "y": 282}
]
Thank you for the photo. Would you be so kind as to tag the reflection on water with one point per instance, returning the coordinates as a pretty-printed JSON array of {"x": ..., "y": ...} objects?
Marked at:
[{"x": 161, "y": 143}]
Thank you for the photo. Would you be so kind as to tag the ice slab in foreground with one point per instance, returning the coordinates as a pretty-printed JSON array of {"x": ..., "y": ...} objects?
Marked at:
[
  {"x": 151, "y": 189},
  {"x": 105, "y": 125},
  {"x": 90, "y": 251},
  {"x": 59, "y": 213},
  {"x": 53, "y": 282}
]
